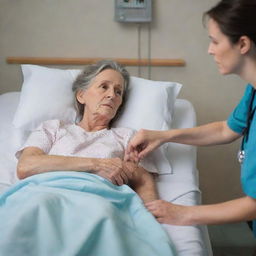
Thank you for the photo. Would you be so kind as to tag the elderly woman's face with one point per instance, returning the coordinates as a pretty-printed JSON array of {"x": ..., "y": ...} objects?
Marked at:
[{"x": 104, "y": 95}]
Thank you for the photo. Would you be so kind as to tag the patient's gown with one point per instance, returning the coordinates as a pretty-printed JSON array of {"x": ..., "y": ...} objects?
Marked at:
[
  {"x": 57, "y": 138},
  {"x": 76, "y": 213}
]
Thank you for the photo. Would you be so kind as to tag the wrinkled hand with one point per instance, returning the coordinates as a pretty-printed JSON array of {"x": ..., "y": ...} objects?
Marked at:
[
  {"x": 143, "y": 142},
  {"x": 116, "y": 170},
  {"x": 132, "y": 168},
  {"x": 169, "y": 213},
  {"x": 132, "y": 157}
]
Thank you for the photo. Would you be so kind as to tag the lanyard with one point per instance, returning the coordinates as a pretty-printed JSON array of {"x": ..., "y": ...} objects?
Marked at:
[
  {"x": 248, "y": 119},
  {"x": 250, "y": 113}
]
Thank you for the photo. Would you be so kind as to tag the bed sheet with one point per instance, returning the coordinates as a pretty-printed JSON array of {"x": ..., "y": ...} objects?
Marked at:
[{"x": 180, "y": 187}]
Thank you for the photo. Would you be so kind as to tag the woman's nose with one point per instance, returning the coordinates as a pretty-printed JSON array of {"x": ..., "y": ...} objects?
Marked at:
[
  {"x": 210, "y": 50},
  {"x": 110, "y": 94}
]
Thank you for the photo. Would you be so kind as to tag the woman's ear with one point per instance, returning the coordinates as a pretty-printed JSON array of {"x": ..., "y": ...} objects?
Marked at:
[
  {"x": 80, "y": 96},
  {"x": 245, "y": 44}
]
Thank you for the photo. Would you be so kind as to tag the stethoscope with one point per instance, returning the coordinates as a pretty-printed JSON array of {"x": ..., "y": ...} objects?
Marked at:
[{"x": 241, "y": 152}]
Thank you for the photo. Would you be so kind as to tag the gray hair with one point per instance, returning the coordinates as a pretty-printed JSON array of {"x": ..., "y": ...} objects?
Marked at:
[{"x": 83, "y": 82}]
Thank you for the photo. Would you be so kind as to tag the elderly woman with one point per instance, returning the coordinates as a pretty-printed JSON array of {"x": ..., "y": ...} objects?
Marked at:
[
  {"x": 73, "y": 198},
  {"x": 90, "y": 145}
]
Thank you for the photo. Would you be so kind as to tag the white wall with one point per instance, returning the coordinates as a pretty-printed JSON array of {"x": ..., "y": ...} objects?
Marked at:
[{"x": 83, "y": 28}]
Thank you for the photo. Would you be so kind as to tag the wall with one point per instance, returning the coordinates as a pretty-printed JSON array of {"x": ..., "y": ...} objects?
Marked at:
[{"x": 83, "y": 28}]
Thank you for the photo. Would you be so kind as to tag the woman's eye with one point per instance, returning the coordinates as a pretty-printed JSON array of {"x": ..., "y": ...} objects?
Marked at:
[
  {"x": 214, "y": 42},
  {"x": 119, "y": 92},
  {"x": 104, "y": 86}
]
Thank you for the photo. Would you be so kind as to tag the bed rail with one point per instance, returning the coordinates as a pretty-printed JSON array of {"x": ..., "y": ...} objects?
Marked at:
[{"x": 85, "y": 61}]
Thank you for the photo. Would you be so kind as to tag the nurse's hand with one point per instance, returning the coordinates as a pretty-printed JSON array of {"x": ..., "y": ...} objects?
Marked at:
[
  {"x": 169, "y": 213},
  {"x": 144, "y": 142}
]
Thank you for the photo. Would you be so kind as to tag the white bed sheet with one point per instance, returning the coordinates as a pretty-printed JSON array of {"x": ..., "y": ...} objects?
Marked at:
[{"x": 181, "y": 187}]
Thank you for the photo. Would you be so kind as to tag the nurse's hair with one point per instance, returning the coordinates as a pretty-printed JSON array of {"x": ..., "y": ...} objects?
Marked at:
[
  {"x": 235, "y": 18},
  {"x": 84, "y": 79}
]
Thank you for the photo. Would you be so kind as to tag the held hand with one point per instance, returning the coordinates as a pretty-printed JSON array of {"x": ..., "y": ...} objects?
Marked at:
[
  {"x": 143, "y": 142},
  {"x": 169, "y": 213},
  {"x": 132, "y": 157},
  {"x": 131, "y": 169},
  {"x": 114, "y": 170}
]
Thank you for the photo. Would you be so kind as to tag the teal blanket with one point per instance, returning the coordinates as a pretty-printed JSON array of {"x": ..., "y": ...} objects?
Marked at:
[{"x": 73, "y": 213}]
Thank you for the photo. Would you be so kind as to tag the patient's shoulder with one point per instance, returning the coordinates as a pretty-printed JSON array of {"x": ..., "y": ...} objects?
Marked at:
[
  {"x": 123, "y": 130},
  {"x": 54, "y": 123},
  {"x": 123, "y": 133}
]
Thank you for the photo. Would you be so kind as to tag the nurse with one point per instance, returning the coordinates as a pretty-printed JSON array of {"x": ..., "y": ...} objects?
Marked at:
[{"x": 232, "y": 31}]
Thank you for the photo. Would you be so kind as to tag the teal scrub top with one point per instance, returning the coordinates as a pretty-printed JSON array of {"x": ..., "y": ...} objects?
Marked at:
[{"x": 237, "y": 122}]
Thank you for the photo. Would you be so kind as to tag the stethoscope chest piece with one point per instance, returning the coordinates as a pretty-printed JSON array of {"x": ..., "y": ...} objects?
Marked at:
[{"x": 240, "y": 156}]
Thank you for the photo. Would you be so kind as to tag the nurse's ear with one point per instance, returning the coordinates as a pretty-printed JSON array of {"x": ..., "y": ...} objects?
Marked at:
[{"x": 245, "y": 44}]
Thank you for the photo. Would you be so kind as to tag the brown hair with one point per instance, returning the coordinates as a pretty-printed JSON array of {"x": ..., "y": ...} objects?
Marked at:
[{"x": 235, "y": 18}]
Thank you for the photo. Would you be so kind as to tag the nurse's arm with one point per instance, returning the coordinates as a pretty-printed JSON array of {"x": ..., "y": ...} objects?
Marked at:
[
  {"x": 215, "y": 133},
  {"x": 145, "y": 141},
  {"x": 242, "y": 209}
]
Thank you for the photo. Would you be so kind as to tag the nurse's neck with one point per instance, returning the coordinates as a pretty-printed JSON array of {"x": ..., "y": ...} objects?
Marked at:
[{"x": 248, "y": 73}]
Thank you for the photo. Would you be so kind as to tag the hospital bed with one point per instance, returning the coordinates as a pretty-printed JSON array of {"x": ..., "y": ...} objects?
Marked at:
[{"x": 151, "y": 105}]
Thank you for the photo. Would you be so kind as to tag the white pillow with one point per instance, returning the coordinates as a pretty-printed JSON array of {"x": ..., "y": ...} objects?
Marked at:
[
  {"x": 150, "y": 104},
  {"x": 47, "y": 94}
]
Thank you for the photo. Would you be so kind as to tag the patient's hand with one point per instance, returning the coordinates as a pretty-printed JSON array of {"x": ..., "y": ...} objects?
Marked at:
[
  {"x": 132, "y": 157},
  {"x": 169, "y": 213},
  {"x": 132, "y": 168},
  {"x": 115, "y": 170}
]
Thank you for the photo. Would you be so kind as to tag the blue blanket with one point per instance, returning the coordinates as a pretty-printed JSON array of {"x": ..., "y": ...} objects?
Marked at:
[{"x": 73, "y": 214}]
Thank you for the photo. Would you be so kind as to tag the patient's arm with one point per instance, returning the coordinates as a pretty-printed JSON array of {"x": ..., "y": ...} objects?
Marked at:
[
  {"x": 34, "y": 161},
  {"x": 143, "y": 183}
]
